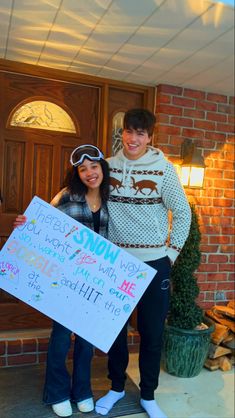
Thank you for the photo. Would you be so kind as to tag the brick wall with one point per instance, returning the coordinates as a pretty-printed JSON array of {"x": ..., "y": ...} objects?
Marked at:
[
  {"x": 28, "y": 350},
  {"x": 208, "y": 119}
]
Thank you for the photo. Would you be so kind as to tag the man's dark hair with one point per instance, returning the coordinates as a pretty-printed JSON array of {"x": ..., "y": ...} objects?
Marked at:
[{"x": 139, "y": 119}]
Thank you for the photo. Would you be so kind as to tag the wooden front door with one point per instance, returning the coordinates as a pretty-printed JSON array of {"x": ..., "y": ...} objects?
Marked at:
[{"x": 34, "y": 161}]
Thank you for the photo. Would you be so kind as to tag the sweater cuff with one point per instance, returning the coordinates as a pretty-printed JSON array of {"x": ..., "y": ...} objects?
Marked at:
[{"x": 172, "y": 254}]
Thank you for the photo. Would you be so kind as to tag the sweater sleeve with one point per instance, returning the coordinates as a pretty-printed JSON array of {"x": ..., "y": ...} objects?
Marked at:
[
  {"x": 175, "y": 200},
  {"x": 61, "y": 199}
]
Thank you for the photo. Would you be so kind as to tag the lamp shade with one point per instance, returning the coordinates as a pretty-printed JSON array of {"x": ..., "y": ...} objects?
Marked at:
[{"x": 192, "y": 166}]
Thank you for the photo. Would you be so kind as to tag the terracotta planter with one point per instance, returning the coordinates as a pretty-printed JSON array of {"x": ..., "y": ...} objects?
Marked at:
[{"x": 185, "y": 351}]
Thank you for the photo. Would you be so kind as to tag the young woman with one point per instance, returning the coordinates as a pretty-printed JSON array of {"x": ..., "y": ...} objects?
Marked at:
[{"x": 83, "y": 198}]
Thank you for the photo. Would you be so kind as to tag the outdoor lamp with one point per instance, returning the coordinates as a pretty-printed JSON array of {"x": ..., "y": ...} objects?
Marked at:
[{"x": 192, "y": 166}]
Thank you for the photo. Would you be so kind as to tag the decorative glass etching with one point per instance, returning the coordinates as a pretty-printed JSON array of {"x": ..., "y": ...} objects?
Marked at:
[
  {"x": 117, "y": 125},
  {"x": 43, "y": 115}
]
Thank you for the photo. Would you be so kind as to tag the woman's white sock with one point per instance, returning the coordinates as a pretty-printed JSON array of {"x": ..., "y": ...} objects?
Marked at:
[
  {"x": 152, "y": 409},
  {"x": 105, "y": 404}
]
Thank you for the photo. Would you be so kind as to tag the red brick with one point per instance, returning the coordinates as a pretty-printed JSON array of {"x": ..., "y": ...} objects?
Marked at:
[
  {"x": 216, "y": 277},
  {"x": 192, "y": 133},
  {"x": 29, "y": 345},
  {"x": 163, "y": 119},
  {"x": 3, "y": 362},
  {"x": 134, "y": 348},
  {"x": 182, "y": 101},
  {"x": 163, "y": 98},
  {"x": 170, "y": 150},
  {"x": 99, "y": 353},
  {"x": 230, "y": 138},
  {"x": 162, "y": 139},
  {"x": 195, "y": 94},
  {"x": 215, "y": 136},
  {"x": 229, "y": 193},
  {"x": 216, "y": 174},
  {"x": 201, "y": 277},
  {"x": 225, "y": 127},
  {"x": 212, "y": 211},
  {"x": 217, "y": 239},
  {"x": 169, "y": 110},
  {"x": 231, "y": 119},
  {"x": 203, "y": 124},
  {"x": 230, "y": 295},
  {"x": 218, "y": 117},
  {"x": 225, "y": 286},
  {"x": 232, "y": 258},
  {"x": 207, "y": 305},
  {"x": 209, "y": 248},
  {"x": 205, "y": 144},
  {"x": 181, "y": 121},
  {"x": 206, "y": 105},
  {"x": 170, "y": 130},
  {"x": 228, "y": 212},
  {"x": 14, "y": 347},
  {"x": 2, "y": 348},
  {"x": 223, "y": 164},
  {"x": 218, "y": 258},
  {"x": 43, "y": 344},
  {"x": 216, "y": 98},
  {"x": 223, "y": 221},
  {"x": 213, "y": 155},
  {"x": 226, "y": 109},
  {"x": 205, "y": 201},
  {"x": 229, "y": 156},
  {"x": 228, "y": 230},
  {"x": 226, "y": 267},
  {"x": 22, "y": 359},
  {"x": 176, "y": 140},
  {"x": 223, "y": 202},
  {"x": 207, "y": 286},
  {"x": 213, "y": 229},
  {"x": 195, "y": 114},
  {"x": 42, "y": 357},
  {"x": 167, "y": 88},
  {"x": 227, "y": 184},
  {"x": 208, "y": 267},
  {"x": 227, "y": 249},
  {"x": 232, "y": 100},
  {"x": 136, "y": 338}
]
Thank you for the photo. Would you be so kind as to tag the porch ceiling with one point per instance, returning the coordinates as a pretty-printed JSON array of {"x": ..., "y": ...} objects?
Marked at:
[{"x": 187, "y": 43}]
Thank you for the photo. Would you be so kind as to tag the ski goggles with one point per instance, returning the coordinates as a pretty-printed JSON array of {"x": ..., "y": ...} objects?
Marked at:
[{"x": 85, "y": 151}]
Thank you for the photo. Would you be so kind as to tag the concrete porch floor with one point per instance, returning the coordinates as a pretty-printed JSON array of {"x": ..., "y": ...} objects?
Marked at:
[{"x": 208, "y": 395}]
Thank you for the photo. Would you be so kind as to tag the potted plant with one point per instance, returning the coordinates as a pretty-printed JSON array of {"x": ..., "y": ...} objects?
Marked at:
[{"x": 187, "y": 332}]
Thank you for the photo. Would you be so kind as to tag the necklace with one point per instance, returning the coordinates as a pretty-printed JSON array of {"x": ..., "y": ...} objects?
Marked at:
[{"x": 93, "y": 204}]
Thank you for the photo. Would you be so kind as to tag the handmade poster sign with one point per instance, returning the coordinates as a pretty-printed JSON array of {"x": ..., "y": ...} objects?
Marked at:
[{"x": 71, "y": 274}]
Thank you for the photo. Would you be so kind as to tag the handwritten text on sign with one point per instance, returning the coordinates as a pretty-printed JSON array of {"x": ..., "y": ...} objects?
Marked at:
[{"x": 71, "y": 274}]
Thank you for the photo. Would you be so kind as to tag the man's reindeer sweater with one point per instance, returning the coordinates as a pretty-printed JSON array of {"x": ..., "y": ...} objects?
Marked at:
[{"x": 142, "y": 194}]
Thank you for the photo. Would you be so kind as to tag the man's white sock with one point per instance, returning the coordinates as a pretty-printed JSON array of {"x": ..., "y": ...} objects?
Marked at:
[
  {"x": 152, "y": 409},
  {"x": 105, "y": 404}
]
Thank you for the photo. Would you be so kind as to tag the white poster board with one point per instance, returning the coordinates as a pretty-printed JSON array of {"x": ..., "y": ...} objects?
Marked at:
[{"x": 71, "y": 274}]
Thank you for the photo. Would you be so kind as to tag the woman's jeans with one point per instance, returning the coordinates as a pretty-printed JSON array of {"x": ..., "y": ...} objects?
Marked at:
[
  {"x": 59, "y": 386},
  {"x": 151, "y": 313}
]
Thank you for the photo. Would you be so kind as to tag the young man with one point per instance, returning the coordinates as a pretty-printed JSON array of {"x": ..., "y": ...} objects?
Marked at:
[{"x": 144, "y": 189}]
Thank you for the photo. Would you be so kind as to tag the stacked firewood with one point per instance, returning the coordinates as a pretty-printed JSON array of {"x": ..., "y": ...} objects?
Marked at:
[{"x": 222, "y": 347}]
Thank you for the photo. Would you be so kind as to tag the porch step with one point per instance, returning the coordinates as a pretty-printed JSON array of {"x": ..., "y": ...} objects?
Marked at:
[{"x": 28, "y": 347}]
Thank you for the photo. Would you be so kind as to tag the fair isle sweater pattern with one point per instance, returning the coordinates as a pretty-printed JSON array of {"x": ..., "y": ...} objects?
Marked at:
[{"x": 142, "y": 194}]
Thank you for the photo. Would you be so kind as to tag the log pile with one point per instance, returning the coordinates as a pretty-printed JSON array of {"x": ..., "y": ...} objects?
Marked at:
[{"x": 222, "y": 347}]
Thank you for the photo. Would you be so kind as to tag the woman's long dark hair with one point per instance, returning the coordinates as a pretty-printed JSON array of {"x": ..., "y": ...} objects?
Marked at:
[{"x": 75, "y": 185}]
